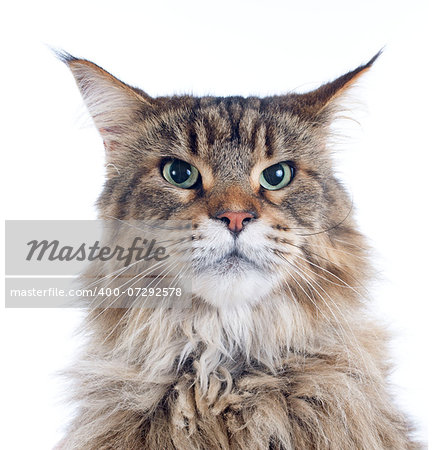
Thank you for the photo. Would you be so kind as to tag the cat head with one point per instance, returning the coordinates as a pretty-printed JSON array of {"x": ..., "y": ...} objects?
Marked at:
[{"x": 253, "y": 175}]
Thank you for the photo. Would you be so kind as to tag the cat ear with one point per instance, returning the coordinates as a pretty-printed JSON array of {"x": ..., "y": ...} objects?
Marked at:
[
  {"x": 320, "y": 105},
  {"x": 113, "y": 105}
]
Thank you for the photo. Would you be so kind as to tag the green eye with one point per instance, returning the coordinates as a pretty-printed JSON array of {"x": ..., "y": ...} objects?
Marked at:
[
  {"x": 180, "y": 173},
  {"x": 277, "y": 176}
]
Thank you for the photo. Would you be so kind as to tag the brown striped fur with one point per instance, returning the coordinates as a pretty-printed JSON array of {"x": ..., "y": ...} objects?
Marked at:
[{"x": 301, "y": 364}]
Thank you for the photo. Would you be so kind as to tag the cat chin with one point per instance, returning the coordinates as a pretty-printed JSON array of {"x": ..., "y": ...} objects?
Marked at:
[{"x": 233, "y": 289}]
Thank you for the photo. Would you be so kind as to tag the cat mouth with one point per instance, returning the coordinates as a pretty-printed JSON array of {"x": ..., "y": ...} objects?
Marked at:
[{"x": 235, "y": 260}]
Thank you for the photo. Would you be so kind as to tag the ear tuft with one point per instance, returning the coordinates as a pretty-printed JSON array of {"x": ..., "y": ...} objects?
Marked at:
[
  {"x": 113, "y": 105},
  {"x": 322, "y": 96},
  {"x": 318, "y": 105},
  {"x": 62, "y": 55},
  {"x": 317, "y": 101}
]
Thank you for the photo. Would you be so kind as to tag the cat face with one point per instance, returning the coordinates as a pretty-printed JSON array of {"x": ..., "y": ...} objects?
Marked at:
[{"x": 253, "y": 177}]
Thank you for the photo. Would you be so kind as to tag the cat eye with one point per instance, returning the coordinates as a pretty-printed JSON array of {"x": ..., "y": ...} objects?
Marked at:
[
  {"x": 277, "y": 176},
  {"x": 180, "y": 173}
]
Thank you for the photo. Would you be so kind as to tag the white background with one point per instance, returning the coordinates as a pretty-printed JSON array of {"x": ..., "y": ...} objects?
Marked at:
[{"x": 392, "y": 162}]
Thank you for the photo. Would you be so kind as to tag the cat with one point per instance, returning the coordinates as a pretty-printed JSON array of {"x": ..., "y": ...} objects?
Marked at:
[{"x": 276, "y": 348}]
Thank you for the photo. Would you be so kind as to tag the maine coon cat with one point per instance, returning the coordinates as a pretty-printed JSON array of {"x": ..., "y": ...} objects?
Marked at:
[{"x": 276, "y": 348}]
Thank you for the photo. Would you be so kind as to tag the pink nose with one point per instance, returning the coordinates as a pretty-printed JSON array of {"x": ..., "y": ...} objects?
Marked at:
[{"x": 235, "y": 220}]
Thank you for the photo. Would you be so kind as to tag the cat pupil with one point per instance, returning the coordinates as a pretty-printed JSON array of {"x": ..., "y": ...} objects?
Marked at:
[
  {"x": 274, "y": 174},
  {"x": 180, "y": 171}
]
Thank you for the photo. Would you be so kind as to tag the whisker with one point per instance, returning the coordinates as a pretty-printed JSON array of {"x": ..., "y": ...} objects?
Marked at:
[
  {"x": 350, "y": 335},
  {"x": 125, "y": 268},
  {"x": 343, "y": 333},
  {"x": 302, "y": 329},
  {"x": 139, "y": 330},
  {"x": 327, "y": 229},
  {"x": 345, "y": 284},
  {"x": 349, "y": 243},
  {"x": 335, "y": 276},
  {"x": 136, "y": 278},
  {"x": 339, "y": 251},
  {"x": 139, "y": 275},
  {"x": 307, "y": 295},
  {"x": 172, "y": 266}
]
